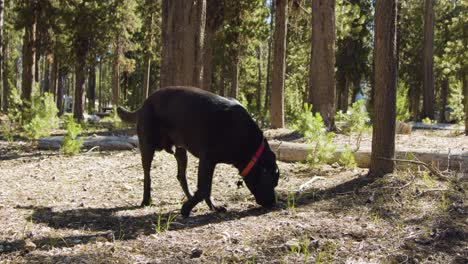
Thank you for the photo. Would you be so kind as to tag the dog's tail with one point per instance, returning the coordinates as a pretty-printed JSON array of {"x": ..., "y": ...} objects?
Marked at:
[{"x": 127, "y": 116}]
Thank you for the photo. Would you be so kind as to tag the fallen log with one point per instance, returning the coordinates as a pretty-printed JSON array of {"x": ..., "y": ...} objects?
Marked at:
[
  {"x": 294, "y": 152},
  {"x": 285, "y": 151},
  {"x": 103, "y": 142}
]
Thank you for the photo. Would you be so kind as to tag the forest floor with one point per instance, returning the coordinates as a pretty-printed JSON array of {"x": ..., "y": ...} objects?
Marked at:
[
  {"x": 431, "y": 141},
  {"x": 84, "y": 209}
]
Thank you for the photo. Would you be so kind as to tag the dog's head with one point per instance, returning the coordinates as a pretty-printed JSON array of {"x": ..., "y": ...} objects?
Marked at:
[{"x": 263, "y": 178}]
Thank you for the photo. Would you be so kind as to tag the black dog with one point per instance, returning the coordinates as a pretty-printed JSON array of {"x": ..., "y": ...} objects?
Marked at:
[{"x": 212, "y": 128}]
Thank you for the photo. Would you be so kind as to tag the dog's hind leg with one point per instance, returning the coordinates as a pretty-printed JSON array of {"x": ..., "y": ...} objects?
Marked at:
[
  {"x": 205, "y": 178},
  {"x": 147, "y": 154},
  {"x": 181, "y": 157}
]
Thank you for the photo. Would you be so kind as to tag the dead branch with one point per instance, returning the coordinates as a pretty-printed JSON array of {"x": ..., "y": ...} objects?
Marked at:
[{"x": 433, "y": 170}]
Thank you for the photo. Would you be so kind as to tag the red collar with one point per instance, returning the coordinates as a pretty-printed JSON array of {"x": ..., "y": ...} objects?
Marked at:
[{"x": 254, "y": 159}]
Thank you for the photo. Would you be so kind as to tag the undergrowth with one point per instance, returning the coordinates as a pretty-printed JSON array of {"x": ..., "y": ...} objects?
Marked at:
[
  {"x": 315, "y": 133},
  {"x": 37, "y": 118},
  {"x": 71, "y": 143},
  {"x": 355, "y": 121}
]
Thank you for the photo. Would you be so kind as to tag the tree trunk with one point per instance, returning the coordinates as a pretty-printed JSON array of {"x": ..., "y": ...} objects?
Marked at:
[
  {"x": 183, "y": 26},
  {"x": 259, "y": 88},
  {"x": 60, "y": 89},
  {"x": 29, "y": 54},
  {"x": 2, "y": 59},
  {"x": 342, "y": 90},
  {"x": 234, "y": 90},
  {"x": 322, "y": 62},
  {"x": 345, "y": 95},
  {"x": 222, "y": 82},
  {"x": 92, "y": 89},
  {"x": 116, "y": 73},
  {"x": 444, "y": 94},
  {"x": 80, "y": 80},
  {"x": 54, "y": 75},
  {"x": 100, "y": 85},
  {"x": 465, "y": 91},
  {"x": 213, "y": 22},
  {"x": 279, "y": 64},
  {"x": 146, "y": 76},
  {"x": 383, "y": 135},
  {"x": 5, "y": 73},
  {"x": 37, "y": 65},
  {"x": 414, "y": 94},
  {"x": 270, "y": 46},
  {"x": 428, "y": 61},
  {"x": 47, "y": 74}
]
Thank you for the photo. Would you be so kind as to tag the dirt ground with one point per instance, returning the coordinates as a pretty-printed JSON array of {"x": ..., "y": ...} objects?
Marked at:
[{"x": 84, "y": 209}]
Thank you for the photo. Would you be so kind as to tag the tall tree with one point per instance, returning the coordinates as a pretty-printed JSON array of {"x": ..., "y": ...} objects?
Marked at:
[
  {"x": 150, "y": 29},
  {"x": 353, "y": 49},
  {"x": 428, "y": 61},
  {"x": 279, "y": 64},
  {"x": 214, "y": 19},
  {"x": 92, "y": 89},
  {"x": 385, "y": 44},
  {"x": 29, "y": 48},
  {"x": 2, "y": 8},
  {"x": 465, "y": 90},
  {"x": 183, "y": 27},
  {"x": 116, "y": 71},
  {"x": 269, "y": 62},
  {"x": 322, "y": 62},
  {"x": 410, "y": 49}
]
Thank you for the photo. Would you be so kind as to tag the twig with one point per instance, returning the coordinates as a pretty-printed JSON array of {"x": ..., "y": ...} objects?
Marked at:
[
  {"x": 433, "y": 170},
  {"x": 305, "y": 185},
  {"x": 91, "y": 150},
  {"x": 428, "y": 191}
]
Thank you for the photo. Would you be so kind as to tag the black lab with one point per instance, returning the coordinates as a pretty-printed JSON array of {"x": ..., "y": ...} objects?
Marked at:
[{"x": 215, "y": 130}]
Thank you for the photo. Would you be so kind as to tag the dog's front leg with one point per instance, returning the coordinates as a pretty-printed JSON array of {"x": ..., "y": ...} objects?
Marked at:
[
  {"x": 205, "y": 178},
  {"x": 147, "y": 154},
  {"x": 181, "y": 157}
]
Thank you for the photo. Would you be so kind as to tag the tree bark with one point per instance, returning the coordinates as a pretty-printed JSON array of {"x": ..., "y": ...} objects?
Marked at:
[
  {"x": 222, "y": 82},
  {"x": 428, "y": 61},
  {"x": 414, "y": 94},
  {"x": 2, "y": 58},
  {"x": 146, "y": 75},
  {"x": 183, "y": 27},
  {"x": 80, "y": 80},
  {"x": 116, "y": 73},
  {"x": 5, "y": 73},
  {"x": 29, "y": 53},
  {"x": 279, "y": 64},
  {"x": 92, "y": 89},
  {"x": 100, "y": 85},
  {"x": 465, "y": 90},
  {"x": 444, "y": 94},
  {"x": 214, "y": 18},
  {"x": 259, "y": 88},
  {"x": 270, "y": 46},
  {"x": 60, "y": 89},
  {"x": 47, "y": 74},
  {"x": 234, "y": 90},
  {"x": 383, "y": 135},
  {"x": 322, "y": 62},
  {"x": 54, "y": 75}
]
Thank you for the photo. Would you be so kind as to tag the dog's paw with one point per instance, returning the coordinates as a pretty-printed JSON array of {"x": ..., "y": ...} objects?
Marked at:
[
  {"x": 220, "y": 209},
  {"x": 147, "y": 202},
  {"x": 185, "y": 211}
]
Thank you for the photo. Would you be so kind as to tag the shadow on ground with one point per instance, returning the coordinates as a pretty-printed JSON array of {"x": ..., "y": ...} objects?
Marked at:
[{"x": 106, "y": 223}]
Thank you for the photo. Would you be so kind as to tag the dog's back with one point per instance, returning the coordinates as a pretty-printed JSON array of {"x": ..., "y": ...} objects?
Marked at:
[{"x": 200, "y": 121}]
